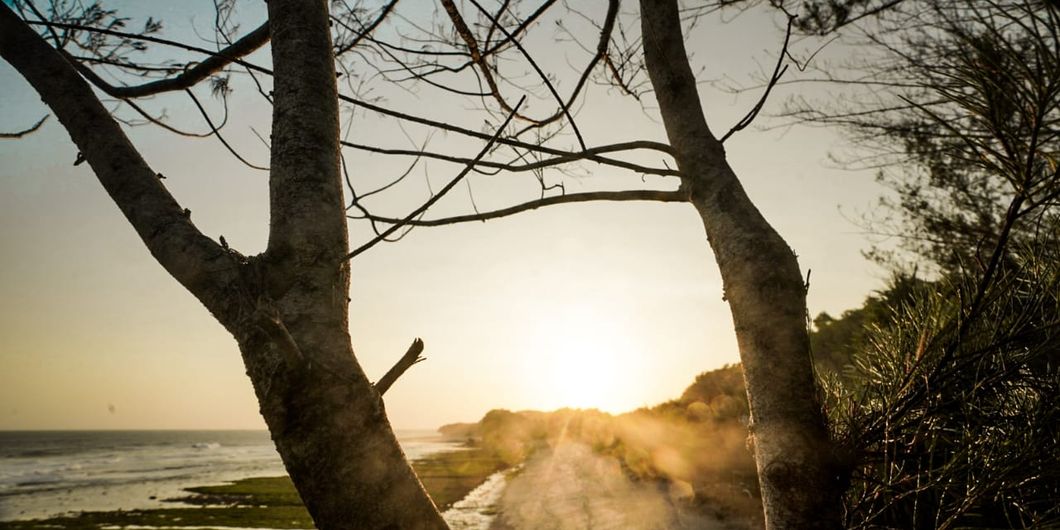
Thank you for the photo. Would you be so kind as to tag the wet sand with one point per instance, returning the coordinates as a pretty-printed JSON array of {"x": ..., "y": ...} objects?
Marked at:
[{"x": 570, "y": 488}]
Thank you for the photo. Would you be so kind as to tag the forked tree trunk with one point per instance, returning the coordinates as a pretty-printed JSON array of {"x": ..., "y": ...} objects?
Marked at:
[
  {"x": 287, "y": 308},
  {"x": 765, "y": 291}
]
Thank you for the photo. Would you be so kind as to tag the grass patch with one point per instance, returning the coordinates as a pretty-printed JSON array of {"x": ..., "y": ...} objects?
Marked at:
[
  {"x": 449, "y": 476},
  {"x": 213, "y": 516}
]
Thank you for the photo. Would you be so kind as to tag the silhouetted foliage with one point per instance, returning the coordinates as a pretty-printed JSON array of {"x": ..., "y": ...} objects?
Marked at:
[
  {"x": 834, "y": 340},
  {"x": 948, "y": 410},
  {"x": 959, "y": 109},
  {"x": 954, "y": 418}
]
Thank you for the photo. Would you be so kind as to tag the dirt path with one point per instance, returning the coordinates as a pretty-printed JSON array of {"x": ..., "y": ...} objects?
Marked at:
[{"x": 573, "y": 488}]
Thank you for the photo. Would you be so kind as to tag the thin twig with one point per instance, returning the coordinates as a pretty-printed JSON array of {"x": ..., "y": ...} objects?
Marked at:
[
  {"x": 217, "y": 132},
  {"x": 19, "y": 134},
  {"x": 778, "y": 72}
]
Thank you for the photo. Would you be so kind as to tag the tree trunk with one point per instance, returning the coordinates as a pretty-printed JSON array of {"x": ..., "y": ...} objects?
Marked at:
[
  {"x": 327, "y": 420},
  {"x": 331, "y": 430},
  {"x": 796, "y": 462},
  {"x": 286, "y": 308}
]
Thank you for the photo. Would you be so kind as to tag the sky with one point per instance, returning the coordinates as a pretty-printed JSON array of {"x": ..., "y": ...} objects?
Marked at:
[{"x": 613, "y": 306}]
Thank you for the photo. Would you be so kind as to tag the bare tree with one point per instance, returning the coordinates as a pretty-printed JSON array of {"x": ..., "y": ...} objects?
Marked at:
[{"x": 287, "y": 307}]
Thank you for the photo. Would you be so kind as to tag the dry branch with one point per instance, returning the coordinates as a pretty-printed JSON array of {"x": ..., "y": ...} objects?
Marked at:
[
  {"x": 623, "y": 195},
  {"x": 19, "y": 134},
  {"x": 406, "y": 361}
]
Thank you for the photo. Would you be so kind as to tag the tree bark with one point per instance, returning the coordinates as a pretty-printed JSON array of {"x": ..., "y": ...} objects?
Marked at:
[
  {"x": 287, "y": 308},
  {"x": 797, "y": 465}
]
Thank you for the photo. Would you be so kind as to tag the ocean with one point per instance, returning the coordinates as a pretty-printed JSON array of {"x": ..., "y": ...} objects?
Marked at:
[{"x": 47, "y": 473}]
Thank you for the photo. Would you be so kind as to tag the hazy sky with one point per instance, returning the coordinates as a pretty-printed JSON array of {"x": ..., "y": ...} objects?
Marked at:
[{"x": 592, "y": 305}]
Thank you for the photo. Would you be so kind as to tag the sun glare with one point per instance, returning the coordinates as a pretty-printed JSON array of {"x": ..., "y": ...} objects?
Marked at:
[{"x": 585, "y": 360}]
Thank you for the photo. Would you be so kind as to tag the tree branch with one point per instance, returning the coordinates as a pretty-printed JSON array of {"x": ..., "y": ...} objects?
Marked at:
[
  {"x": 476, "y": 56},
  {"x": 19, "y": 134},
  {"x": 563, "y": 107},
  {"x": 625, "y": 195},
  {"x": 367, "y": 30},
  {"x": 430, "y": 202},
  {"x": 592, "y": 154},
  {"x": 657, "y": 146},
  {"x": 193, "y": 74},
  {"x": 778, "y": 72},
  {"x": 587, "y": 154},
  {"x": 406, "y": 361},
  {"x": 217, "y": 132}
]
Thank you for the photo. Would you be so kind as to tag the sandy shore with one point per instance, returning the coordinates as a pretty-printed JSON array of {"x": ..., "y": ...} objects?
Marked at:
[{"x": 570, "y": 488}]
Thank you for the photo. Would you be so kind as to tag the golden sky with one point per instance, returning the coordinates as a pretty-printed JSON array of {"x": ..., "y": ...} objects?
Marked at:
[{"x": 613, "y": 306}]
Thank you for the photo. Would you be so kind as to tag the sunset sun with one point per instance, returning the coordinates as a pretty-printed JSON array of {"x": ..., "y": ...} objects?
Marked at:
[{"x": 586, "y": 360}]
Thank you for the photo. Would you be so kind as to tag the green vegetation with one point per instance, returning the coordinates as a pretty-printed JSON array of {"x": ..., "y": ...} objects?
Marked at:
[
  {"x": 263, "y": 491},
  {"x": 833, "y": 341},
  {"x": 944, "y": 394},
  {"x": 220, "y": 516},
  {"x": 449, "y": 476},
  {"x": 949, "y": 411},
  {"x": 272, "y": 502}
]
